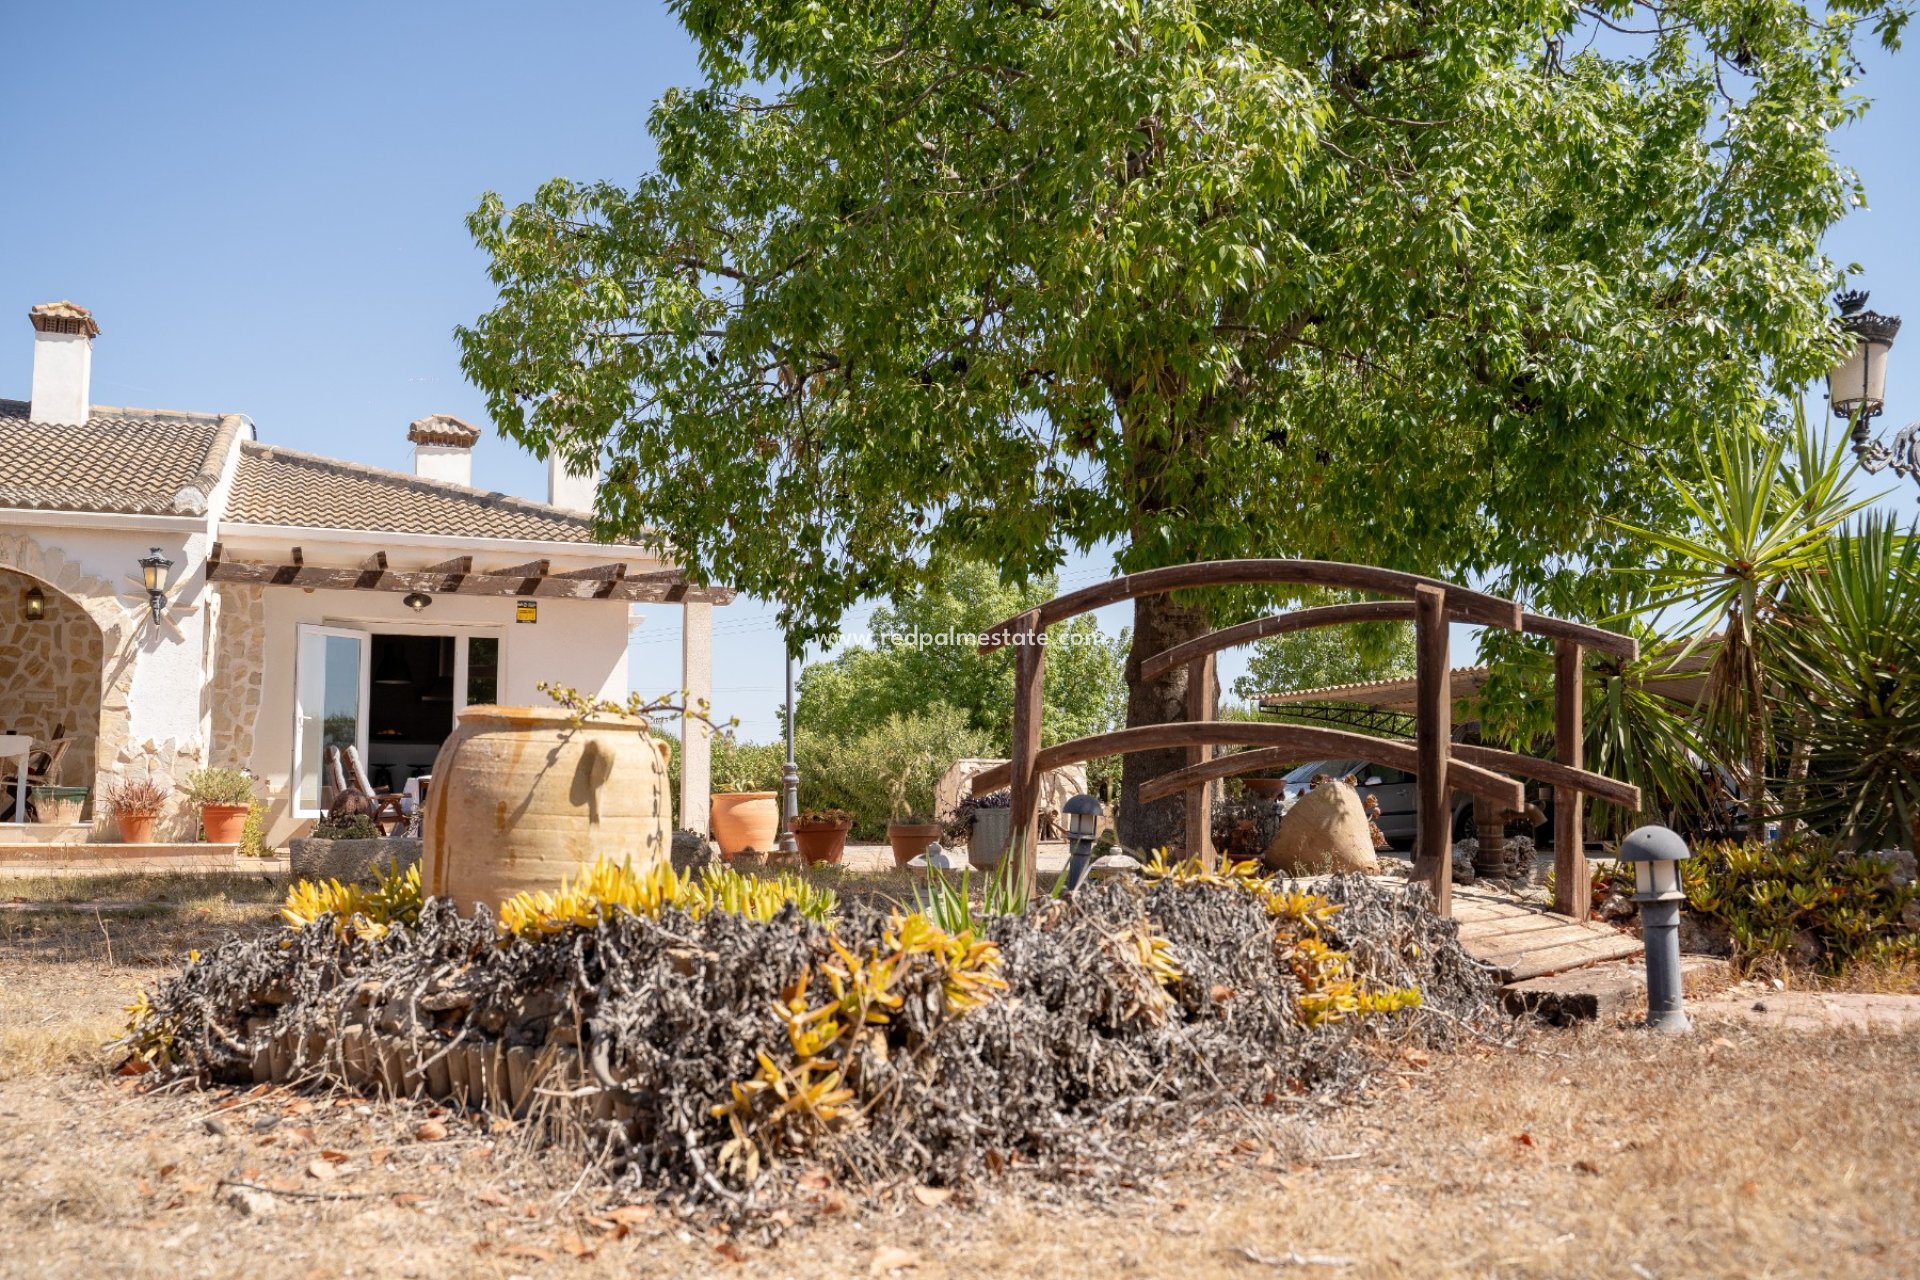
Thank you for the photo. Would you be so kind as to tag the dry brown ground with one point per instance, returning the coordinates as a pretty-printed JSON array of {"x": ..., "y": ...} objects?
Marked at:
[{"x": 1741, "y": 1151}]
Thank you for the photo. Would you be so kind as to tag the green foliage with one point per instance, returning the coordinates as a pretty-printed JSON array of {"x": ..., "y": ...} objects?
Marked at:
[
  {"x": 1759, "y": 509},
  {"x": 1800, "y": 899},
  {"x": 1850, "y": 661},
  {"x": 921, "y": 648},
  {"x": 218, "y": 786},
  {"x": 889, "y": 770},
  {"x": 253, "y": 834},
  {"x": 1437, "y": 287},
  {"x": 583, "y": 900},
  {"x": 1327, "y": 655},
  {"x": 361, "y": 910},
  {"x": 746, "y": 766},
  {"x": 347, "y": 826}
]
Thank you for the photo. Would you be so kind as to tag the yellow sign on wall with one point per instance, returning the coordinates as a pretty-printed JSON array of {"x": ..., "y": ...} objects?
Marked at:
[{"x": 527, "y": 611}]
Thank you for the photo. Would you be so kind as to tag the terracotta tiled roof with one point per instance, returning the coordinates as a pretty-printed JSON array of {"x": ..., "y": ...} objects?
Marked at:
[
  {"x": 142, "y": 461},
  {"x": 444, "y": 429},
  {"x": 287, "y": 487}
]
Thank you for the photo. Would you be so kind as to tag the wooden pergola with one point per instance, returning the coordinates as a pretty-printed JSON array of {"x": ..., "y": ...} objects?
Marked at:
[
  {"x": 537, "y": 579},
  {"x": 1440, "y": 765}
]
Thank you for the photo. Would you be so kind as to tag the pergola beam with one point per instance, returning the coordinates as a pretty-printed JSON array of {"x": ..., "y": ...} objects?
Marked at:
[{"x": 456, "y": 577}]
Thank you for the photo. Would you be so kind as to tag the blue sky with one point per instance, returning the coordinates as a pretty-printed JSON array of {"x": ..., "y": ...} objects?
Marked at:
[{"x": 263, "y": 205}]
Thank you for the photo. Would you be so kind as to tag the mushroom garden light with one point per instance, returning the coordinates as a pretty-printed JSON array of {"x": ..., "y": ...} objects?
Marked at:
[
  {"x": 1656, "y": 854},
  {"x": 1083, "y": 824}
]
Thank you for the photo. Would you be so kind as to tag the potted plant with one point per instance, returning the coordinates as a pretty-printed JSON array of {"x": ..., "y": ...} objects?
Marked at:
[
  {"x": 224, "y": 797},
  {"x": 746, "y": 814},
  {"x": 822, "y": 834},
  {"x": 909, "y": 834},
  {"x": 135, "y": 804},
  {"x": 987, "y": 823}
]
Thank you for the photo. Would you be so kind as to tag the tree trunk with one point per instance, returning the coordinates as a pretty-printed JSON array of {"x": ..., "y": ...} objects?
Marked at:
[
  {"x": 1158, "y": 624},
  {"x": 1756, "y": 757},
  {"x": 1797, "y": 764}
]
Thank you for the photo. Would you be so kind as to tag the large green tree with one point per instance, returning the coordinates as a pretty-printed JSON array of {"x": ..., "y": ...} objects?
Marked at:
[
  {"x": 1434, "y": 286},
  {"x": 916, "y": 654}
]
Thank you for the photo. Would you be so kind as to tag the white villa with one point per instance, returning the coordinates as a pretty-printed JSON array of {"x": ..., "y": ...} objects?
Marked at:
[{"x": 305, "y": 600}]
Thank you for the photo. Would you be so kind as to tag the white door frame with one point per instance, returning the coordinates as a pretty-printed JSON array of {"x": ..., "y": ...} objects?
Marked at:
[{"x": 300, "y": 672}]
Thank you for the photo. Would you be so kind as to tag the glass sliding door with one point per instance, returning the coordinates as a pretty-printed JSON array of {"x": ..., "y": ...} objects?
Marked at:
[{"x": 331, "y": 676}]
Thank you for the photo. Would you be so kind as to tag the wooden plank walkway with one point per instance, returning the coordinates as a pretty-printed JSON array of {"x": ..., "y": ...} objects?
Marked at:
[{"x": 1525, "y": 941}]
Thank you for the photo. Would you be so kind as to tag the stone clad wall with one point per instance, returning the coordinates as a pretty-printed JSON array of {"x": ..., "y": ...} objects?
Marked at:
[
  {"x": 233, "y": 689},
  {"x": 50, "y": 673}
]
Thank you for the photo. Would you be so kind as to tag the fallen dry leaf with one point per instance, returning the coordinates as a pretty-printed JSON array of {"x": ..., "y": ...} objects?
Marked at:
[
  {"x": 891, "y": 1257},
  {"x": 334, "y": 1157},
  {"x": 494, "y": 1198},
  {"x": 322, "y": 1170},
  {"x": 631, "y": 1215},
  {"x": 731, "y": 1251},
  {"x": 430, "y": 1131},
  {"x": 932, "y": 1196},
  {"x": 1524, "y": 1139},
  {"x": 533, "y": 1251},
  {"x": 576, "y": 1246}
]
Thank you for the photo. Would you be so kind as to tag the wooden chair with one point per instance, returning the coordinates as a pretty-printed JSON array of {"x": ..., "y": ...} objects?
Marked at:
[
  {"x": 333, "y": 780},
  {"x": 384, "y": 804},
  {"x": 43, "y": 766}
]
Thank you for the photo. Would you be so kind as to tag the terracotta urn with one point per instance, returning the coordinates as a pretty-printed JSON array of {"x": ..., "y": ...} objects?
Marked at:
[
  {"x": 223, "y": 823},
  {"x": 523, "y": 797},
  {"x": 744, "y": 820},
  {"x": 910, "y": 839}
]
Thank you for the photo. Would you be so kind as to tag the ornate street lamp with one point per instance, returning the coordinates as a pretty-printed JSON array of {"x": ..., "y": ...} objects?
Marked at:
[
  {"x": 1857, "y": 388},
  {"x": 36, "y": 604},
  {"x": 153, "y": 577},
  {"x": 1656, "y": 854}
]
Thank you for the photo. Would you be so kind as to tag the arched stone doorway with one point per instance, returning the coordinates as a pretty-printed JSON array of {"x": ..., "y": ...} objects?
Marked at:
[{"x": 69, "y": 669}]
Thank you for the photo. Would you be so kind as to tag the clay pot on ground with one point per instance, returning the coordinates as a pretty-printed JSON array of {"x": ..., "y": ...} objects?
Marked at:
[
  {"x": 744, "y": 820},
  {"x": 135, "y": 828},
  {"x": 1265, "y": 788},
  {"x": 524, "y": 797},
  {"x": 910, "y": 839},
  {"x": 1325, "y": 831},
  {"x": 821, "y": 842},
  {"x": 987, "y": 843},
  {"x": 223, "y": 823}
]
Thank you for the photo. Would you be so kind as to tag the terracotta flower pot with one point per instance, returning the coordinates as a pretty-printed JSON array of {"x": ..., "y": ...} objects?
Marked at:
[
  {"x": 745, "y": 820},
  {"x": 1265, "y": 788},
  {"x": 136, "y": 828},
  {"x": 821, "y": 842},
  {"x": 223, "y": 822},
  {"x": 524, "y": 797},
  {"x": 910, "y": 839}
]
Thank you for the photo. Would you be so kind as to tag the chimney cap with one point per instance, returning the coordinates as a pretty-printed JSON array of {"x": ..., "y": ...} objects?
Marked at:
[
  {"x": 63, "y": 317},
  {"x": 444, "y": 429}
]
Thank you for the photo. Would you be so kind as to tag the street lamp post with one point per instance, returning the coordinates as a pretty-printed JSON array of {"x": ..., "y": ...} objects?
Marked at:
[
  {"x": 1857, "y": 389},
  {"x": 789, "y": 777}
]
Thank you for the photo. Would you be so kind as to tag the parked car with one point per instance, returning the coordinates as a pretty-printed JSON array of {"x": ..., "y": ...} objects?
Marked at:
[{"x": 1395, "y": 789}]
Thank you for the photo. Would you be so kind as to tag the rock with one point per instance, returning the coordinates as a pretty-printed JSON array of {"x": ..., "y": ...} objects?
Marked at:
[
  {"x": 1113, "y": 864},
  {"x": 692, "y": 851},
  {"x": 252, "y": 1203},
  {"x": 1704, "y": 935},
  {"x": 349, "y": 860},
  {"x": 1326, "y": 830},
  {"x": 1901, "y": 867}
]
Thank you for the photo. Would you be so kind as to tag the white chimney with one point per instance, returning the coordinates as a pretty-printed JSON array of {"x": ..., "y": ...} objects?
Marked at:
[
  {"x": 564, "y": 489},
  {"x": 63, "y": 335},
  {"x": 443, "y": 448}
]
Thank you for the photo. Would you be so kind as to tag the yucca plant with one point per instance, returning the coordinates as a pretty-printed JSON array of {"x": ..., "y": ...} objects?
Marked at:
[
  {"x": 1760, "y": 508},
  {"x": 1850, "y": 655}
]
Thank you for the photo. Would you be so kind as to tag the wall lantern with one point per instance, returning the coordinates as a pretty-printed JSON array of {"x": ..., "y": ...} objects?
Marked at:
[
  {"x": 416, "y": 600},
  {"x": 1656, "y": 854},
  {"x": 153, "y": 577},
  {"x": 1857, "y": 388},
  {"x": 1082, "y": 813},
  {"x": 36, "y": 604}
]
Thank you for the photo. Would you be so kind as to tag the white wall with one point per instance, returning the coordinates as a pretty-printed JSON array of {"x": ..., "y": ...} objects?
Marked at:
[{"x": 582, "y": 643}]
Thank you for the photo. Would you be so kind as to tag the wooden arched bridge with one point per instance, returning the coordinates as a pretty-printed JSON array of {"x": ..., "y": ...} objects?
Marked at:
[{"x": 1440, "y": 765}]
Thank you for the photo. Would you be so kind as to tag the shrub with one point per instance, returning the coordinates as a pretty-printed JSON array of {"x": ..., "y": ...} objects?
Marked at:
[
  {"x": 219, "y": 786},
  {"x": 889, "y": 770},
  {"x": 253, "y": 836},
  {"x": 746, "y": 766},
  {"x": 135, "y": 797},
  {"x": 346, "y": 826},
  {"x": 1800, "y": 901}
]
